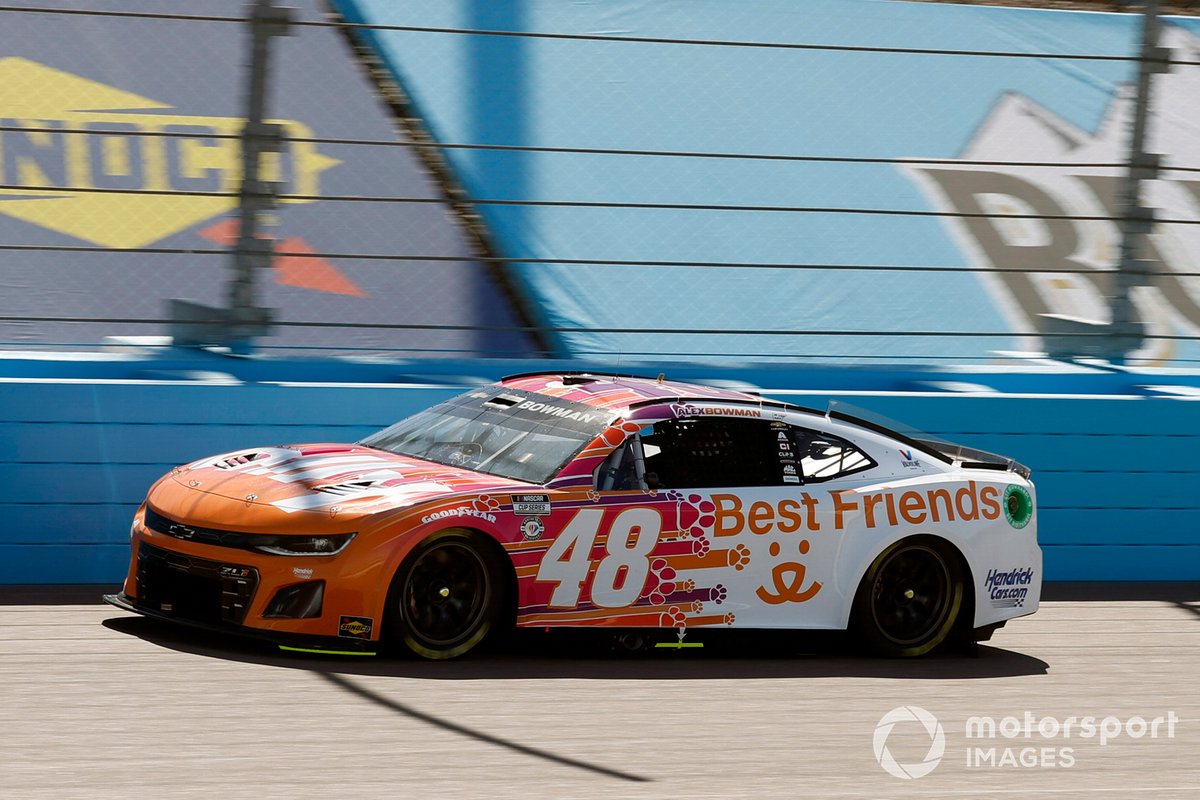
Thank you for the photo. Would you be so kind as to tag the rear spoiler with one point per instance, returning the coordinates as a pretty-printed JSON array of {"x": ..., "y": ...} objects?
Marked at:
[{"x": 975, "y": 459}]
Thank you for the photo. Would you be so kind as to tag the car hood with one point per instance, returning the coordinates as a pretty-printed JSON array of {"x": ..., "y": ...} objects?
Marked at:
[{"x": 334, "y": 478}]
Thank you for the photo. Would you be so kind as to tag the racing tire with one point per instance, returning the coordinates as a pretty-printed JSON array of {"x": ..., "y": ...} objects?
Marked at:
[
  {"x": 910, "y": 598},
  {"x": 445, "y": 598}
]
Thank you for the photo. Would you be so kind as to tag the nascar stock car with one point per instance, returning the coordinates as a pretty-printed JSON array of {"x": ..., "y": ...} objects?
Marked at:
[{"x": 592, "y": 500}]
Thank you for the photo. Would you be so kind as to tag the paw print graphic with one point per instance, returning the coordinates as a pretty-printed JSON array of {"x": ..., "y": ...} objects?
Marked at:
[
  {"x": 688, "y": 586},
  {"x": 593, "y": 495},
  {"x": 664, "y": 578},
  {"x": 673, "y": 496},
  {"x": 705, "y": 507},
  {"x": 672, "y": 618},
  {"x": 718, "y": 593},
  {"x": 739, "y": 557},
  {"x": 486, "y": 504},
  {"x": 697, "y": 607},
  {"x": 700, "y": 547},
  {"x": 694, "y": 513},
  {"x": 729, "y": 618}
]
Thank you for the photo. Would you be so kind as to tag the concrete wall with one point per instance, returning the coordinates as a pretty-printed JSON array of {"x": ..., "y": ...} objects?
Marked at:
[{"x": 1114, "y": 466}]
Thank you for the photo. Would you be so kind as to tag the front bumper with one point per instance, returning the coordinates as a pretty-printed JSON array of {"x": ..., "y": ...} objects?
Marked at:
[
  {"x": 191, "y": 579},
  {"x": 294, "y": 641}
]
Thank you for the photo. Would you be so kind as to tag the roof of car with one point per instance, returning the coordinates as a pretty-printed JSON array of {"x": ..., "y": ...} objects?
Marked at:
[{"x": 610, "y": 391}]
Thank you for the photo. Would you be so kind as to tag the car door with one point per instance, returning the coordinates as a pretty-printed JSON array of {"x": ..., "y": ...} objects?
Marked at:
[
  {"x": 698, "y": 521},
  {"x": 753, "y": 495}
]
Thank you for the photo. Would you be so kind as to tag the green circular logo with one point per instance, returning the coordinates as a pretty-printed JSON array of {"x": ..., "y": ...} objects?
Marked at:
[{"x": 1018, "y": 506}]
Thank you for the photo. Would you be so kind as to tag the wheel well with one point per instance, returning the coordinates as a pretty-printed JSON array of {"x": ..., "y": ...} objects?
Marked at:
[
  {"x": 963, "y": 627},
  {"x": 966, "y": 619},
  {"x": 508, "y": 574}
]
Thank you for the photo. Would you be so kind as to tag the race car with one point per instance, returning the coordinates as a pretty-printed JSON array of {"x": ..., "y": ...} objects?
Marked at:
[{"x": 593, "y": 500}]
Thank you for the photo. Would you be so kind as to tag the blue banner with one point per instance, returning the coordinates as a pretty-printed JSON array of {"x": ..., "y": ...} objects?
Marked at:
[{"x": 852, "y": 89}]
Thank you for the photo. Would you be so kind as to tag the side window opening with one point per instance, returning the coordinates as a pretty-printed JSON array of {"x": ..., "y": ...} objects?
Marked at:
[
  {"x": 693, "y": 453},
  {"x": 824, "y": 457},
  {"x": 624, "y": 469},
  {"x": 708, "y": 452}
]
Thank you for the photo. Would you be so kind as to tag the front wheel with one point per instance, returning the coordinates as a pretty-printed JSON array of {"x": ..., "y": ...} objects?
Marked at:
[
  {"x": 444, "y": 598},
  {"x": 910, "y": 598}
]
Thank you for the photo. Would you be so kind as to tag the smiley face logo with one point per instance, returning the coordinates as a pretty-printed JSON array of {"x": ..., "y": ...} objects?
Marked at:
[{"x": 787, "y": 578}]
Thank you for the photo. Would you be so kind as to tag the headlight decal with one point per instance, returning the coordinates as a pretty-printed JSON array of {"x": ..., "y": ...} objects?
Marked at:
[{"x": 275, "y": 544}]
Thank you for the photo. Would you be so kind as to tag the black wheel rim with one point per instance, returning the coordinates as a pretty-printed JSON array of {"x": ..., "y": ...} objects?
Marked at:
[
  {"x": 910, "y": 598},
  {"x": 445, "y": 597}
]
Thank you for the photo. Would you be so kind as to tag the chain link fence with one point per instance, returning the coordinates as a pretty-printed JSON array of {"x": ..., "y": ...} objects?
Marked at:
[{"x": 699, "y": 181}]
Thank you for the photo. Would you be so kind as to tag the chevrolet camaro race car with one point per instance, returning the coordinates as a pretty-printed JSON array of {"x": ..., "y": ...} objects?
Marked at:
[{"x": 592, "y": 500}]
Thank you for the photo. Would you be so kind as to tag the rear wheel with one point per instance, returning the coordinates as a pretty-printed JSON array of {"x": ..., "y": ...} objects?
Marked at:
[
  {"x": 910, "y": 599},
  {"x": 444, "y": 599}
]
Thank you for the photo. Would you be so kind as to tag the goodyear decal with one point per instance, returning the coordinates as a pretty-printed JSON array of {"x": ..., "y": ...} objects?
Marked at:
[{"x": 116, "y": 154}]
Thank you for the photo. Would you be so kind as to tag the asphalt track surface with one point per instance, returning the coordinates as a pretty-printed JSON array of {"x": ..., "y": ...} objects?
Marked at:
[{"x": 96, "y": 703}]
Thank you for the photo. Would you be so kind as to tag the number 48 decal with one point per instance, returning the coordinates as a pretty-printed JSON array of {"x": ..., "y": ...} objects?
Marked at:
[{"x": 622, "y": 571}]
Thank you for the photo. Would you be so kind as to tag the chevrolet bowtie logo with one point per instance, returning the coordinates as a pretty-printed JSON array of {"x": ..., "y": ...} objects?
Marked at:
[
  {"x": 117, "y": 154},
  {"x": 180, "y": 531}
]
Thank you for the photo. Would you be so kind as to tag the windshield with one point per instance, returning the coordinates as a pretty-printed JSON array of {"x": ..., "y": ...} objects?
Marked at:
[{"x": 505, "y": 432}]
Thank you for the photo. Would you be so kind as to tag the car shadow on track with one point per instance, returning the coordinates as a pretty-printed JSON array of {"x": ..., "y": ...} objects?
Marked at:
[
  {"x": 581, "y": 654},
  {"x": 598, "y": 655}
]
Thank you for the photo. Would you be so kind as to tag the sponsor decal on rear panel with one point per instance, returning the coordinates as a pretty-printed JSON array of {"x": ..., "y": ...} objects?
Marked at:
[{"x": 1008, "y": 589}]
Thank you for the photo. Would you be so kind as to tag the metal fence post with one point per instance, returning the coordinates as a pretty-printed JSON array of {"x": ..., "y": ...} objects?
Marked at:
[
  {"x": 1137, "y": 220},
  {"x": 243, "y": 319}
]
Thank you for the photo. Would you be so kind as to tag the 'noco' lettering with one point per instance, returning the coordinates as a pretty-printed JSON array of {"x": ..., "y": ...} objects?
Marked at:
[{"x": 111, "y": 150}]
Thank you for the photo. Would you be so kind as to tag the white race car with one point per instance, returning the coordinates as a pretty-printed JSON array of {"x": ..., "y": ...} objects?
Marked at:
[{"x": 584, "y": 500}]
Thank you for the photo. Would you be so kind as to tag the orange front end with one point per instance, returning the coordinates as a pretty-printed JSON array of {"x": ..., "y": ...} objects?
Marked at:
[{"x": 298, "y": 545}]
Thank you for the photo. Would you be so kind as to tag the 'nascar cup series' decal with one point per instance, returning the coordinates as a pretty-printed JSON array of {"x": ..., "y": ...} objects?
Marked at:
[{"x": 531, "y": 504}]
